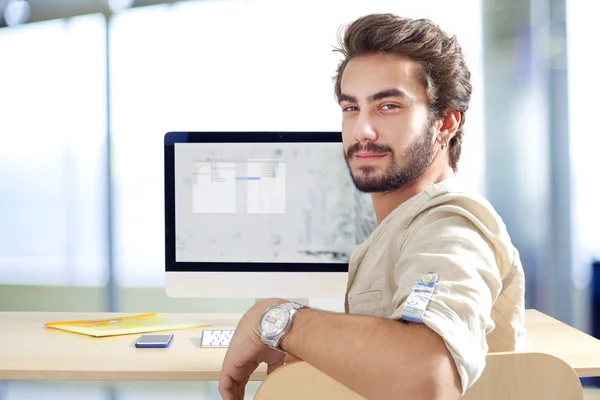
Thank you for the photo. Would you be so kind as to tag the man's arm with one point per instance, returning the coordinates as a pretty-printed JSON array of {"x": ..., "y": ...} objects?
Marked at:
[
  {"x": 377, "y": 358},
  {"x": 384, "y": 358}
]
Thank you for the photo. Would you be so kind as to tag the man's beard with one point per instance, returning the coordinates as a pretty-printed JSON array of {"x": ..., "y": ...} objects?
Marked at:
[{"x": 416, "y": 158}]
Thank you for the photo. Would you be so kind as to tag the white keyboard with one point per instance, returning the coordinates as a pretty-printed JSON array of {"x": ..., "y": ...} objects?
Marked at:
[{"x": 216, "y": 337}]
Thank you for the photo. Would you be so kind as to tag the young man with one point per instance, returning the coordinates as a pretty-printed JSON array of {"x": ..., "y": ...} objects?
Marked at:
[{"x": 438, "y": 284}]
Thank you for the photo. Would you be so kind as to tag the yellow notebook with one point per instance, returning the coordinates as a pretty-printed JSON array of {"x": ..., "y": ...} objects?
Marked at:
[{"x": 141, "y": 323}]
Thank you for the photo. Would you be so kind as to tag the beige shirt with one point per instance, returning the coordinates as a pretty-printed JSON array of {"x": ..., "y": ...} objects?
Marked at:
[{"x": 477, "y": 304}]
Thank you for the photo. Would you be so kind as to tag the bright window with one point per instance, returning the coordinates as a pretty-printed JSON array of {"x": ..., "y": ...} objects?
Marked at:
[
  {"x": 582, "y": 36},
  {"x": 52, "y": 192},
  {"x": 237, "y": 65}
]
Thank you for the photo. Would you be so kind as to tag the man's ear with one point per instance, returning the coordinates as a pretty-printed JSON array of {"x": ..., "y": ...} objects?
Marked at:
[{"x": 450, "y": 122}]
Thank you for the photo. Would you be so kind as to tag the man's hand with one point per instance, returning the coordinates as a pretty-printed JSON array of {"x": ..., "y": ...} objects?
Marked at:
[
  {"x": 376, "y": 357},
  {"x": 245, "y": 352}
]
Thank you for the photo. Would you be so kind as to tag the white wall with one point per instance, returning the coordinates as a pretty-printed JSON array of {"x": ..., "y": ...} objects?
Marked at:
[
  {"x": 237, "y": 65},
  {"x": 195, "y": 65}
]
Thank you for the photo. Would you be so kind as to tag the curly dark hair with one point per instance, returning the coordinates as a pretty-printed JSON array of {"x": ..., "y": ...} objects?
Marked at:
[{"x": 444, "y": 72}]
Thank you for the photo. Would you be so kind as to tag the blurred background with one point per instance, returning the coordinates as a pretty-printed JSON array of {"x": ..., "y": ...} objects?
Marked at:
[{"x": 88, "y": 88}]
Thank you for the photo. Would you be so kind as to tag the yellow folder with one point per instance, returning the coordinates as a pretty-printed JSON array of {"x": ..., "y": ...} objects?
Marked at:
[{"x": 126, "y": 325}]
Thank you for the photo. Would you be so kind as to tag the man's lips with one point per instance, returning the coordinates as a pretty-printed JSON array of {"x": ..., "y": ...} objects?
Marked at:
[{"x": 369, "y": 156}]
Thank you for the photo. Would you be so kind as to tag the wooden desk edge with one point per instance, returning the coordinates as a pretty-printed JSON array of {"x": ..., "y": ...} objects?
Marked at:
[
  {"x": 587, "y": 372},
  {"x": 91, "y": 375}
]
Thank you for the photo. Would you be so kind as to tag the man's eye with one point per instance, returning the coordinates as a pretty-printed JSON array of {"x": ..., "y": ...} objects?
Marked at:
[
  {"x": 389, "y": 106},
  {"x": 349, "y": 108}
]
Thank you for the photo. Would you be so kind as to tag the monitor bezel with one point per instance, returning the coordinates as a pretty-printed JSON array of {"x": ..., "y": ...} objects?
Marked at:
[{"x": 172, "y": 138}]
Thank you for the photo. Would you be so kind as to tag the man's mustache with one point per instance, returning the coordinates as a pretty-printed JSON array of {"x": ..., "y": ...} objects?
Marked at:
[{"x": 368, "y": 147}]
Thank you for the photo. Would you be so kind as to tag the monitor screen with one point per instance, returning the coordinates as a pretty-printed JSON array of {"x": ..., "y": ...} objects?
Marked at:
[{"x": 266, "y": 202}]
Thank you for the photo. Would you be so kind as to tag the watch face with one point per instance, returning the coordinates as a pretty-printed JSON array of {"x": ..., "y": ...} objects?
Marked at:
[{"x": 274, "y": 321}]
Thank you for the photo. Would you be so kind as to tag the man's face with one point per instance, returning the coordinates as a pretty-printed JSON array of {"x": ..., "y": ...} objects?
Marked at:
[{"x": 387, "y": 130}]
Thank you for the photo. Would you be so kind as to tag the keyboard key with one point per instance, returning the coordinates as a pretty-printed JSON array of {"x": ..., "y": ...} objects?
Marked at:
[{"x": 216, "y": 337}]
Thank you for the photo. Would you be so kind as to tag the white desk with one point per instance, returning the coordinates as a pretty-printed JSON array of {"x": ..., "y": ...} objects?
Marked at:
[{"x": 29, "y": 351}]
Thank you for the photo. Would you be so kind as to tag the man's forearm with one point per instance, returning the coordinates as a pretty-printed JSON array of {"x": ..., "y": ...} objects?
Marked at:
[{"x": 378, "y": 358}]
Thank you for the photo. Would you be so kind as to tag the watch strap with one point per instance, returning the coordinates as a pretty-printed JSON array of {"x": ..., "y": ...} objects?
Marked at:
[{"x": 292, "y": 307}]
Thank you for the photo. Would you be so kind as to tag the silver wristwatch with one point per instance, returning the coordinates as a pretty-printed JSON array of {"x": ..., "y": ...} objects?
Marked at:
[{"x": 275, "y": 322}]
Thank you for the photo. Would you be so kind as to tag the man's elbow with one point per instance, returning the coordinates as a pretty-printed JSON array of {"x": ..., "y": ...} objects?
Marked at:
[
  {"x": 441, "y": 382},
  {"x": 433, "y": 382},
  {"x": 436, "y": 379},
  {"x": 438, "y": 376},
  {"x": 429, "y": 372}
]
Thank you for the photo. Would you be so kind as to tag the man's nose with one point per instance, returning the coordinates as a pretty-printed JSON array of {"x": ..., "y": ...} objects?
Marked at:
[{"x": 363, "y": 129}]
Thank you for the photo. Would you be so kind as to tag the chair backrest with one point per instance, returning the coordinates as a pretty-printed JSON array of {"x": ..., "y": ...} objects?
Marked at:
[
  {"x": 530, "y": 376},
  {"x": 301, "y": 381}
]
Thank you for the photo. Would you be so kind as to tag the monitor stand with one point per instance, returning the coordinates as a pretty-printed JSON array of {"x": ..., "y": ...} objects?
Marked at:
[
  {"x": 304, "y": 302},
  {"x": 335, "y": 305}
]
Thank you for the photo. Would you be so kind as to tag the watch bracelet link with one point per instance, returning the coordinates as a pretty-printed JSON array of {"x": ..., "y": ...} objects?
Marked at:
[{"x": 292, "y": 308}]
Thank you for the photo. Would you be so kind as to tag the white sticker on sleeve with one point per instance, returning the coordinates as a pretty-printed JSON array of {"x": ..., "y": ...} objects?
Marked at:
[{"x": 417, "y": 301}]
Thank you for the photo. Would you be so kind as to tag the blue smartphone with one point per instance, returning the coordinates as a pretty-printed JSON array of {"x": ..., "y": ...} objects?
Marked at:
[{"x": 154, "y": 340}]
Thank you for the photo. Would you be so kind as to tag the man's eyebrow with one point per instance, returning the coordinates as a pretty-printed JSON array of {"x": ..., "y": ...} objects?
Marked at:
[
  {"x": 348, "y": 98},
  {"x": 383, "y": 94}
]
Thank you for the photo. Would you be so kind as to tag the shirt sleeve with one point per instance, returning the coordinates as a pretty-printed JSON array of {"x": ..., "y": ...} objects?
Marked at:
[{"x": 450, "y": 245}]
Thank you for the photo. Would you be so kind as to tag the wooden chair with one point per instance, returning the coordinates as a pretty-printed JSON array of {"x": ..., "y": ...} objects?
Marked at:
[
  {"x": 507, "y": 376},
  {"x": 301, "y": 381},
  {"x": 530, "y": 376}
]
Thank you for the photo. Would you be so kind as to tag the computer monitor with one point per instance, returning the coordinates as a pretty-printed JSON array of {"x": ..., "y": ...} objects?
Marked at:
[{"x": 260, "y": 214}]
